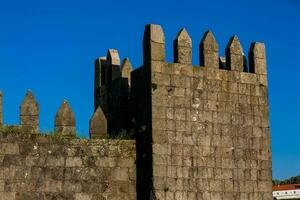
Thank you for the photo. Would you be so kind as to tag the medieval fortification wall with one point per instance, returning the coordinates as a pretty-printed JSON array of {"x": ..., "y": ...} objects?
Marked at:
[{"x": 200, "y": 132}]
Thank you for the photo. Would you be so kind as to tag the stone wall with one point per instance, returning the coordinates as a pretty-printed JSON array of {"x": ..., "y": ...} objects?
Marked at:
[
  {"x": 141, "y": 98},
  {"x": 44, "y": 167},
  {"x": 201, "y": 132},
  {"x": 209, "y": 127}
]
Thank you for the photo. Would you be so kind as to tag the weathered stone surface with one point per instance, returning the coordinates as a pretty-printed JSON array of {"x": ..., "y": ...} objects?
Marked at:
[
  {"x": 113, "y": 57},
  {"x": 65, "y": 120},
  {"x": 154, "y": 43},
  {"x": 108, "y": 97},
  {"x": 183, "y": 48},
  {"x": 156, "y": 33},
  {"x": 98, "y": 124},
  {"x": 29, "y": 113},
  {"x": 209, "y": 51},
  {"x": 234, "y": 55},
  {"x": 113, "y": 94},
  {"x": 257, "y": 58},
  {"x": 42, "y": 168},
  {"x": 8, "y": 195},
  {"x": 206, "y": 125},
  {"x": 126, "y": 69},
  {"x": 202, "y": 133},
  {"x": 99, "y": 72},
  {"x": 99, "y": 81},
  {"x": 113, "y": 62}
]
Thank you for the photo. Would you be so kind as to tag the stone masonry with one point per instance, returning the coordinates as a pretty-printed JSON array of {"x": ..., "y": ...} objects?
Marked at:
[
  {"x": 29, "y": 113},
  {"x": 65, "y": 120},
  {"x": 201, "y": 132},
  {"x": 59, "y": 166},
  {"x": 35, "y": 167},
  {"x": 112, "y": 90},
  {"x": 98, "y": 124},
  {"x": 204, "y": 130}
]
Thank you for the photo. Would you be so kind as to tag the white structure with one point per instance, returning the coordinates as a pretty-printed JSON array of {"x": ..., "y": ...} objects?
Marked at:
[{"x": 291, "y": 191}]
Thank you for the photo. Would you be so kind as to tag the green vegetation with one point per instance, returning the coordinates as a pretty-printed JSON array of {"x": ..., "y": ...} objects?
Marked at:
[
  {"x": 11, "y": 129},
  {"x": 292, "y": 180},
  {"x": 58, "y": 137}
]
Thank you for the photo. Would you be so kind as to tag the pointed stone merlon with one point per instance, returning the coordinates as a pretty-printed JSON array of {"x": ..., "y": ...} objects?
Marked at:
[
  {"x": 98, "y": 124},
  {"x": 153, "y": 43},
  {"x": 29, "y": 113},
  {"x": 183, "y": 48},
  {"x": 65, "y": 120},
  {"x": 113, "y": 57},
  {"x": 257, "y": 58},
  {"x": 100, "y": 72},
  {"x": 99, "y": 81},
  {"x": 235, "y": 58},
  {"x": 126, "y": 69},
  {"x": 209, "y": 51},
  {"x": 1, "y": 114},
  {"x": 113, "y": 69}
]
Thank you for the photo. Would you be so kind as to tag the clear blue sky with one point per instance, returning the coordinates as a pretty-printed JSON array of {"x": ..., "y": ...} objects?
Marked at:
[{"x": 49, "y": 47}]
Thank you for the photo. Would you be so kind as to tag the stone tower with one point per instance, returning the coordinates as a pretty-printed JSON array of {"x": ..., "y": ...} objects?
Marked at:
[
  {"x": 112, "y": 90},
  {"x": 202, "y": 132}
]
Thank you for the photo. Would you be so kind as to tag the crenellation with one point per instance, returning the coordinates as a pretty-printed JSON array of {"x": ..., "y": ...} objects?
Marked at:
[
  {"x": 201, "y": 132},
  {"x": 113, "y": 57},
  {"x": 114, "y": 91},
  {"x": 183, "y": 48},
  {"x": 216, "y": 100},
  {"x": 98, "y": 124},
  {"x": 235, "y": 59},
  {"x": 209, "y": 51},
  {"x": 65, "y": 120},
  {"x": 113, "y": 70},
  {"x": 126, "y": 69},
  {"x": 29, "y": 113},
  {"x": 100, "y": 72},
  {"x": 257, "y": 58},
  {"x": 153, "y": 43}
]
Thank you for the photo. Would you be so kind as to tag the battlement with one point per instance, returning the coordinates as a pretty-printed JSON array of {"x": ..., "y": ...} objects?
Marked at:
[
  {"x": 113, "y": 79},
  {"x": 202, "y": 132},
  {"x": 59, "y": 165},
  {"x": 64, "y": 122},
  {"x": 234, "y": 60},
  {"x": 206, "y": 126},
  {"x": 112, "y": 90}
]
